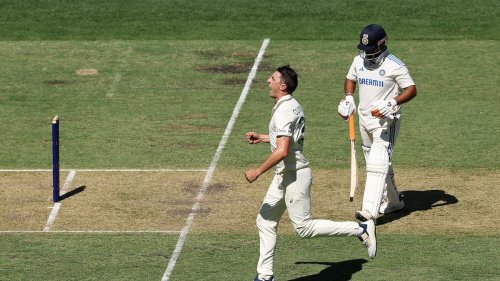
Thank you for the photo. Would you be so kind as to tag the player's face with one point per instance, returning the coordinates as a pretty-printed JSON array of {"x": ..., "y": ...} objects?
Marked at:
[{"x": 275, "y": 84}]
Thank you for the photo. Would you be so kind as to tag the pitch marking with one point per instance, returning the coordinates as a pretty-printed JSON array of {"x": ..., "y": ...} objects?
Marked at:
[
  {"x": 118, "y": 75},
  {"x": 57, "y": 205},
  {"x": 103, "y": 170},
  {"x": 93, "y": 231},
  {"x": 213, "y": 164}
]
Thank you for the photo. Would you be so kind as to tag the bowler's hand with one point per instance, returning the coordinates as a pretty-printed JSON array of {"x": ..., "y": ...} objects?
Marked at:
[
  {"x": 252, "y": 137},
  {"x": 251, "y": 175}
]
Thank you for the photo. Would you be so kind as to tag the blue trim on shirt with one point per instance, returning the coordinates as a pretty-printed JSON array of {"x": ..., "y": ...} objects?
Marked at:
[{"x": 395, "y": 59}]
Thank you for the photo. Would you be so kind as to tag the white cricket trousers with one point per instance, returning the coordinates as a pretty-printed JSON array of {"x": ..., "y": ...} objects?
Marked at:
[
  {"x": 379, "y": 138},
  {"x": 291, "y": 191}
]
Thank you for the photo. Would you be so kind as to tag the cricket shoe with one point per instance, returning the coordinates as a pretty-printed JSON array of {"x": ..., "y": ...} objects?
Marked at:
[
  {"x": 387, "y": 207},
  {"x": 368, "y": 237},
  {"x": 363, "y": 215},
  {"x": 269, "y": 279}
]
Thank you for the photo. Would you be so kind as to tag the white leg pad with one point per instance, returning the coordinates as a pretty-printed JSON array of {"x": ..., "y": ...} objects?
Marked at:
[
  {"x": 366, "y": 152},
  {"x": 377, "y": 166},
  {"x": 392, "y": 192}
]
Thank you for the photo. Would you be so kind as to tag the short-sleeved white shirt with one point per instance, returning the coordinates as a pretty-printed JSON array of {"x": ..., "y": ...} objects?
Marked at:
[
  {"x": 384, "y": 82},
  {"x": 288, "y": 120}
]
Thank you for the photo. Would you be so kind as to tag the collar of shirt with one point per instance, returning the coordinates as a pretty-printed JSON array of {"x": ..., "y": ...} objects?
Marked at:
[{"x": 281, "y": 100}]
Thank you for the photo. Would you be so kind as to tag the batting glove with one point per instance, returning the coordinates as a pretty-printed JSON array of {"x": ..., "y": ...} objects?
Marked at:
[
  {"x": 346, "y": 107},
  {"x": 384, "y": 109}
]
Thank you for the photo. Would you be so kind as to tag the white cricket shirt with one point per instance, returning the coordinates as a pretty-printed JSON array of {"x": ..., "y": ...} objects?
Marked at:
[
  {"x": 288, "y": 120},
  {"x": 384, "y": 82}
]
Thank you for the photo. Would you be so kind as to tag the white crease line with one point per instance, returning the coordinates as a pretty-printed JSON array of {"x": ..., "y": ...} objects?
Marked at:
[
  {"x": 142, "y": 170},
  {"x": 57, "y": 205},
  {"x": 102, "y": 170},
  {"x": 118, "y": 75},
  {"x": 94, "y": 231},
  {"x": 213, "y": 164},
  {"x": 24, "y": 170}
]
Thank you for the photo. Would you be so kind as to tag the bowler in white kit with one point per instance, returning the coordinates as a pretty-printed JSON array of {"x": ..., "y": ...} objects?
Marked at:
[{"x": 291, "y": 186}]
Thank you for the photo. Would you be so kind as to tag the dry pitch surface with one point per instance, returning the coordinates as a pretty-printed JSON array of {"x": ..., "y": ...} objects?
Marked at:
[{"x": 436, "y": 202}]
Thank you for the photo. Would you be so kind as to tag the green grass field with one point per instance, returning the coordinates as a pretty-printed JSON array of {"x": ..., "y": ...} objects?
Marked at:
[{"x": 169, "y": 74}]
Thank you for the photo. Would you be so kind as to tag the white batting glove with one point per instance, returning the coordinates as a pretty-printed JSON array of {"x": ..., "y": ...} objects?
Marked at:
[
  {"x": 384, "y": 109},
  {"x": 346, "y": 107}
]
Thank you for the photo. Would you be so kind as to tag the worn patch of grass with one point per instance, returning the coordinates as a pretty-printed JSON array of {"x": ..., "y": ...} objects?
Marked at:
[
  {"x": 161, "y": 104},
  {"x": 150, "y": 105},
  {"x": 25, "y": 200},
  {"x": 169, "y": 74},
  {"x": 437, "y": 202},
  {"x": 161, "y": 201}
]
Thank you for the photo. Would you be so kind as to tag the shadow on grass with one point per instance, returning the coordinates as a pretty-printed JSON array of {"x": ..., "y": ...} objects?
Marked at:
[
  {"x": 71, "y": 193},
  {"x": 336, "y": 271},
  {"x": 419, "y": 201}
]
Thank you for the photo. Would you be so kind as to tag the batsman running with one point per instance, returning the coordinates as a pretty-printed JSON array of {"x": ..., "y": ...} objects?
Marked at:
[
  {"x": 291, "y": 186},
  {"x": 384, "y": 84}
]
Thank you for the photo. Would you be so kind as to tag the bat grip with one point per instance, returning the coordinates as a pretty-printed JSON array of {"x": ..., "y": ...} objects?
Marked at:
[{"x": 352, "y": 135}]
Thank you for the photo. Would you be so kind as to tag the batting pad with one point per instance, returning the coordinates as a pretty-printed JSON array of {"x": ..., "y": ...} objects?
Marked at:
[
  {"x": 366, "y": 152},
  {"x": 377, "y": 166},
  {"x": 392, "y": 192}
]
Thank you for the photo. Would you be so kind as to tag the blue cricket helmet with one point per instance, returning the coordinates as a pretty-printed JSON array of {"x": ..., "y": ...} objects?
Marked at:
[{"x": 371, "y": 38}]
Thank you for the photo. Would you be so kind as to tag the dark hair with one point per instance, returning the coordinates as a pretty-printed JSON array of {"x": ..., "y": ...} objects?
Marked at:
[{"x": 289, "y": 77}]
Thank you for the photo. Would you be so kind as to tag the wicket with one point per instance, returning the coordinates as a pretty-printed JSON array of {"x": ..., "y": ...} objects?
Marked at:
[{"x": 55, "y": 159}]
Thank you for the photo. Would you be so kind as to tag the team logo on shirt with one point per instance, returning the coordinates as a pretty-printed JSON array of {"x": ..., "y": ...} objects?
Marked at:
[{"x": 381, "y": 72}]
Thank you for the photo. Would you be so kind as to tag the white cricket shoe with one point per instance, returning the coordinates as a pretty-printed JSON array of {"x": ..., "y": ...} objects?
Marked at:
[
  {"x": 368, "y": 237},
  {"x": 363, "y": 215},
  {"x": 386, "y": 208}
]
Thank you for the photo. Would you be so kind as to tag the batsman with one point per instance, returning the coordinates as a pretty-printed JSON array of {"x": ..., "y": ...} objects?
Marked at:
[{"x": 384, "y": 84}]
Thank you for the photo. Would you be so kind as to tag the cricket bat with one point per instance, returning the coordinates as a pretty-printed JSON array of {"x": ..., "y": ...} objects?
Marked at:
[{"x": 354, "y": 164}]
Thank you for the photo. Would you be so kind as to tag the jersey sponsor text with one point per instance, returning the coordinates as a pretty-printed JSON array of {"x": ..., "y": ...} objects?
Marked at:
[{"x": 371, "y": 82}]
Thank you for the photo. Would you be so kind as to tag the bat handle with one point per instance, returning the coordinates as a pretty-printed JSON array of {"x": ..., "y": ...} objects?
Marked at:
[{"x": 352, "y": 135}]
